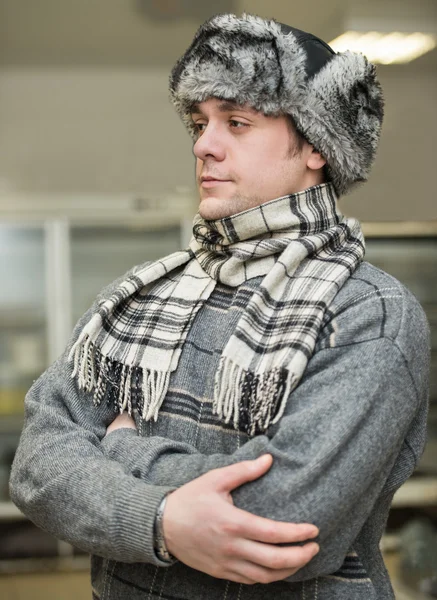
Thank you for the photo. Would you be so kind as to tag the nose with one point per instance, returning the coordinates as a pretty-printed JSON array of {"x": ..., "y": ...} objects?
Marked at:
[{"x": 210, "y": 144}]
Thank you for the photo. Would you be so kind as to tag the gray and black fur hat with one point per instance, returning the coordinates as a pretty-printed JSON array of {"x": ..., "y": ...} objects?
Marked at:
[{"x": 334, "y": 99}]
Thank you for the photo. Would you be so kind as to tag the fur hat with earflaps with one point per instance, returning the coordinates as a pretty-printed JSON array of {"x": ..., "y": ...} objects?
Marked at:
[{"x": 334, "y": 99}]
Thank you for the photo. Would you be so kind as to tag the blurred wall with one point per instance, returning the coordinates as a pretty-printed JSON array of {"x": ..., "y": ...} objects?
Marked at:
[
  {"x": 402, "y": 183},
  {"x": 84, "y": 104},
  {"x": 90, "y": 130}
]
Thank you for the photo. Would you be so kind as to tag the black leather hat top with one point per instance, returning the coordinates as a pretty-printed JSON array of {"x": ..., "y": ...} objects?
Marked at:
[{"x": 318, "y": 52}]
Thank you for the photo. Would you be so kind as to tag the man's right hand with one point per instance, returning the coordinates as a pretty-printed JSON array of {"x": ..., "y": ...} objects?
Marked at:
[{"x": 204, "y": 530}]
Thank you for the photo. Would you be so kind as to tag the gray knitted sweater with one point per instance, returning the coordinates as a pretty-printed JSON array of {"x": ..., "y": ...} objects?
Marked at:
[{"x": 352, "y": 433}]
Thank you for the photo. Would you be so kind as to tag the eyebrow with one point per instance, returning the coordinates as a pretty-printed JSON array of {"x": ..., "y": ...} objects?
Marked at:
[{"x": 225, "y": 106}]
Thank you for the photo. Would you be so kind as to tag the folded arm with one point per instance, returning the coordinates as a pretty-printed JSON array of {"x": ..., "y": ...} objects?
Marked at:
[
  {"x": 65, "y": 483},
  {"x": 333, "y": 450}
]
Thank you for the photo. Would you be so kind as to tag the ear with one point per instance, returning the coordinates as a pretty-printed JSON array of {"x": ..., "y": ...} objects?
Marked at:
[{"x": 315, "y": 160}]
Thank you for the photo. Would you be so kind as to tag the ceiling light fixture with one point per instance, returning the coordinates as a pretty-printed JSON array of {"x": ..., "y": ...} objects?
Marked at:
[{"x": 386, "y": 48}]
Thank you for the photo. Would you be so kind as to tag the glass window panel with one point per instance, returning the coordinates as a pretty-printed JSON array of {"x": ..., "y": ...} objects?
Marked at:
[
  {"x": 412, "y": 261},
  {"x": 23, "y": 340},
  {"x": 101, "y": 254}
]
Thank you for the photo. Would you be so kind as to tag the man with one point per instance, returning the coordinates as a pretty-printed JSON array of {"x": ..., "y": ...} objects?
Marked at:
[{"x": 271, "y": 387}]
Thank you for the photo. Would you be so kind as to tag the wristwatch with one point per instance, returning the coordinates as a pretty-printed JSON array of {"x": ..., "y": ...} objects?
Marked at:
[{"x": 159, "y": 540}]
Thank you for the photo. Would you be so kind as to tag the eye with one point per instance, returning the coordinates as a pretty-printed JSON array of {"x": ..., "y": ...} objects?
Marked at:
[
  {"x": 237, "y": 124},
  {"x": 200, "y": 127}
]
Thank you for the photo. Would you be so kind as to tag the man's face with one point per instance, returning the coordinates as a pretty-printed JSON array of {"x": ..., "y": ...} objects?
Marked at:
[{"x": 244, "y": 159}]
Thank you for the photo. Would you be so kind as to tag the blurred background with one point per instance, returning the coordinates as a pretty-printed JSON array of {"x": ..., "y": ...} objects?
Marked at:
[{"x": 97, "y": 175}]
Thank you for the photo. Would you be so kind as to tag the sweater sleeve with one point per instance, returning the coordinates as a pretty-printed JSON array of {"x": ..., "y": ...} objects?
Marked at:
[
  {"x": 334, "y": 448},
  {"x": 333, "y": 451},
  {"x": 64, "y": 482}
]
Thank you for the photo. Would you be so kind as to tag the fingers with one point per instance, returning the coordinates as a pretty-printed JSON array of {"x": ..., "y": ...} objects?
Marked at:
[
  {"x": 231, "y": 477},
  {"x": 250, "y": 573},
  {"x": 274, "y": 558},
  {"x": 252, "y": 527}
]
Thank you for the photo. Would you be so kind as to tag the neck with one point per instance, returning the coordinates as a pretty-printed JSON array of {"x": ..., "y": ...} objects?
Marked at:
[{"x": 312, "y": 178}]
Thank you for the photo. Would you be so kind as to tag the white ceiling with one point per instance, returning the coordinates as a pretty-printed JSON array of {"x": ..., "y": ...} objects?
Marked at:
[{"x": 128, "y": 33}]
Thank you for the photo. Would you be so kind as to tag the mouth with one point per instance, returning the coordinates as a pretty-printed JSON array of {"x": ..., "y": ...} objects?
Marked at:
[{"x": 211, "y": 181}]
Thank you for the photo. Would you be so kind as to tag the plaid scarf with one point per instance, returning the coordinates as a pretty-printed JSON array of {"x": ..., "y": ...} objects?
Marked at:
[{"x": 304, "y": 249}]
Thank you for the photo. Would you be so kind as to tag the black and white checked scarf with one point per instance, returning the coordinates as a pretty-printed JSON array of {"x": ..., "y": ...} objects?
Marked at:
[{"x": 304, "y": 248}]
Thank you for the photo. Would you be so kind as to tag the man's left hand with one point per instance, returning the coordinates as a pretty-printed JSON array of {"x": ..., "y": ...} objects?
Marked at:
[{"x": 122, "y": 421}]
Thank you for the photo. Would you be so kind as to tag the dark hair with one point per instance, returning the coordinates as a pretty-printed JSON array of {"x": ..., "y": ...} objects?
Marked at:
[{"x": 295, "y": 149}]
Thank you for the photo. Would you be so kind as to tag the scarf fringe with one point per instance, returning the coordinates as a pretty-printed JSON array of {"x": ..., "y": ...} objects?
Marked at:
[
  {"x": 122, "y": 386},
  {"x": 252, "y": 401}
]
